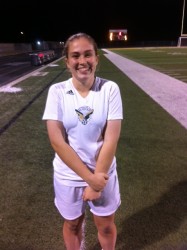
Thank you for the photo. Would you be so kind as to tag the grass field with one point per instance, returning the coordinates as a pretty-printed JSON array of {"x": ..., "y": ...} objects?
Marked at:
[
  {"x": 151, "y": 155},
  {"x": 171, "y": 61}
]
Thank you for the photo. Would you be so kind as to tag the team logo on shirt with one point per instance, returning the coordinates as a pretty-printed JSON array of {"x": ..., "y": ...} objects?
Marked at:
[{"x": 84, "y": 114}]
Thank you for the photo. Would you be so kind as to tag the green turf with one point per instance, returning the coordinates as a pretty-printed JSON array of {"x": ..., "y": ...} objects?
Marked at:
[
  {"x": 172, "y": 61},
  {"x": 152, "y": 164}
]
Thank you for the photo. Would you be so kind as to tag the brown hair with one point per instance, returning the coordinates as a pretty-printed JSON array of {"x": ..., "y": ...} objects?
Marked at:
[{"x": 77, "y": 36}]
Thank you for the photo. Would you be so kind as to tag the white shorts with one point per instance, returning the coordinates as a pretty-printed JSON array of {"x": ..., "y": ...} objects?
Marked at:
[{"x": 70, "y": 204}]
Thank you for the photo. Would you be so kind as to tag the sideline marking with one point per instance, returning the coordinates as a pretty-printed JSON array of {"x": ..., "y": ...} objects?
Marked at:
[
  {"x": 40, "y": 73},
  {"x": 170, "y": 93},
  {"x": 7, "y": 87}
]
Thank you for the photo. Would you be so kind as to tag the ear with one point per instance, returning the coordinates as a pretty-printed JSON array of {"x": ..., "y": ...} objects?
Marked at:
[{"x": 97, "y": 59}]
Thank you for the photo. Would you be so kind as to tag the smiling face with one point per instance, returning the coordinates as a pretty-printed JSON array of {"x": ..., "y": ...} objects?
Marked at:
[{"x": 82, "y": 60}]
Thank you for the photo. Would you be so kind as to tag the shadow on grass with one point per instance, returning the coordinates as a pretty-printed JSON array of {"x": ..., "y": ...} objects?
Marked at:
[{"x": 155, "y": 222}]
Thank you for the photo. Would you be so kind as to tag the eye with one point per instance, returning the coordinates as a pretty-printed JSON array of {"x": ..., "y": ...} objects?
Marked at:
[
  {"x": 75, "y": 56},
  {"x": 88, "y": 54}
]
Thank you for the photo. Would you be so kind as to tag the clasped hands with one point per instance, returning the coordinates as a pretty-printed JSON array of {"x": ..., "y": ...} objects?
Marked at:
[{"x": 96, "y": 185}]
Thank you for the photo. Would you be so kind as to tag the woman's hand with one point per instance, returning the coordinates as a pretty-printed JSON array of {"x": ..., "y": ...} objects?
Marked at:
[
  {"x": 90, "y": 194},
  {"x": 98, "y": 181}
]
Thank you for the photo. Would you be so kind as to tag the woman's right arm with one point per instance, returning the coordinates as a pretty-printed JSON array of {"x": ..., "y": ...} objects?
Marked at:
[{"x": 56, "y": 135}]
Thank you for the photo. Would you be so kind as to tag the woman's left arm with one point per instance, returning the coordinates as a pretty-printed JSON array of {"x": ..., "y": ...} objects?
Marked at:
[
  {"x": 108, "y": 149},
  {"x": 106, "y": 155}
]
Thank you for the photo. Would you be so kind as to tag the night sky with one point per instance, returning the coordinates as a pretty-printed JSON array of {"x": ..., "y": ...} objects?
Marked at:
[{"x": 145, "y": 20}]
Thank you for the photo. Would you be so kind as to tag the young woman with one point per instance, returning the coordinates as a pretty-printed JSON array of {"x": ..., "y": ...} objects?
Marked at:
[{"x": 83, "y": 116}]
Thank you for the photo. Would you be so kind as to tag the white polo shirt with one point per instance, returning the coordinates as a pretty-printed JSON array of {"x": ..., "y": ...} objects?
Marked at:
[{"x": 84, "y": 119}]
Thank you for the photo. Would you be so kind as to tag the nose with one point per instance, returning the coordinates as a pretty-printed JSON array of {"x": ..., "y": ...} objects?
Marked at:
[{"x": 82, "y": 59}]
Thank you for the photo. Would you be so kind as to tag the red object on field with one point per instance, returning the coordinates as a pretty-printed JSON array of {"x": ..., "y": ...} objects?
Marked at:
[{"x": 40, "y": 55}]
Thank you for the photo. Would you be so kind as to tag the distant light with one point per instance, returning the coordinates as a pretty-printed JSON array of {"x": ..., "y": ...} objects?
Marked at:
[
  {"x": 111, "y": 36},
  {"x": 21, "y": 33},
  {"x": 38, "y": 42},
  {"x": 118, "y": 34}
]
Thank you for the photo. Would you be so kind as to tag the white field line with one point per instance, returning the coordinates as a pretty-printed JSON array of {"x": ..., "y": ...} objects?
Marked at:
[
  {"x": 168, "y": 92},
  {"x": 8, "y": 87}
]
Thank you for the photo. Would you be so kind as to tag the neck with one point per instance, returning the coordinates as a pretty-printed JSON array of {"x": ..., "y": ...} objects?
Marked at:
[{"x": 83, "y": 86}]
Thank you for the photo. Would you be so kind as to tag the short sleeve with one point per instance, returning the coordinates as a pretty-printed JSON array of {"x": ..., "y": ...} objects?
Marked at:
[
  {"x": 52, "y": 109},
  {"x": 115, "y": 103}
]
